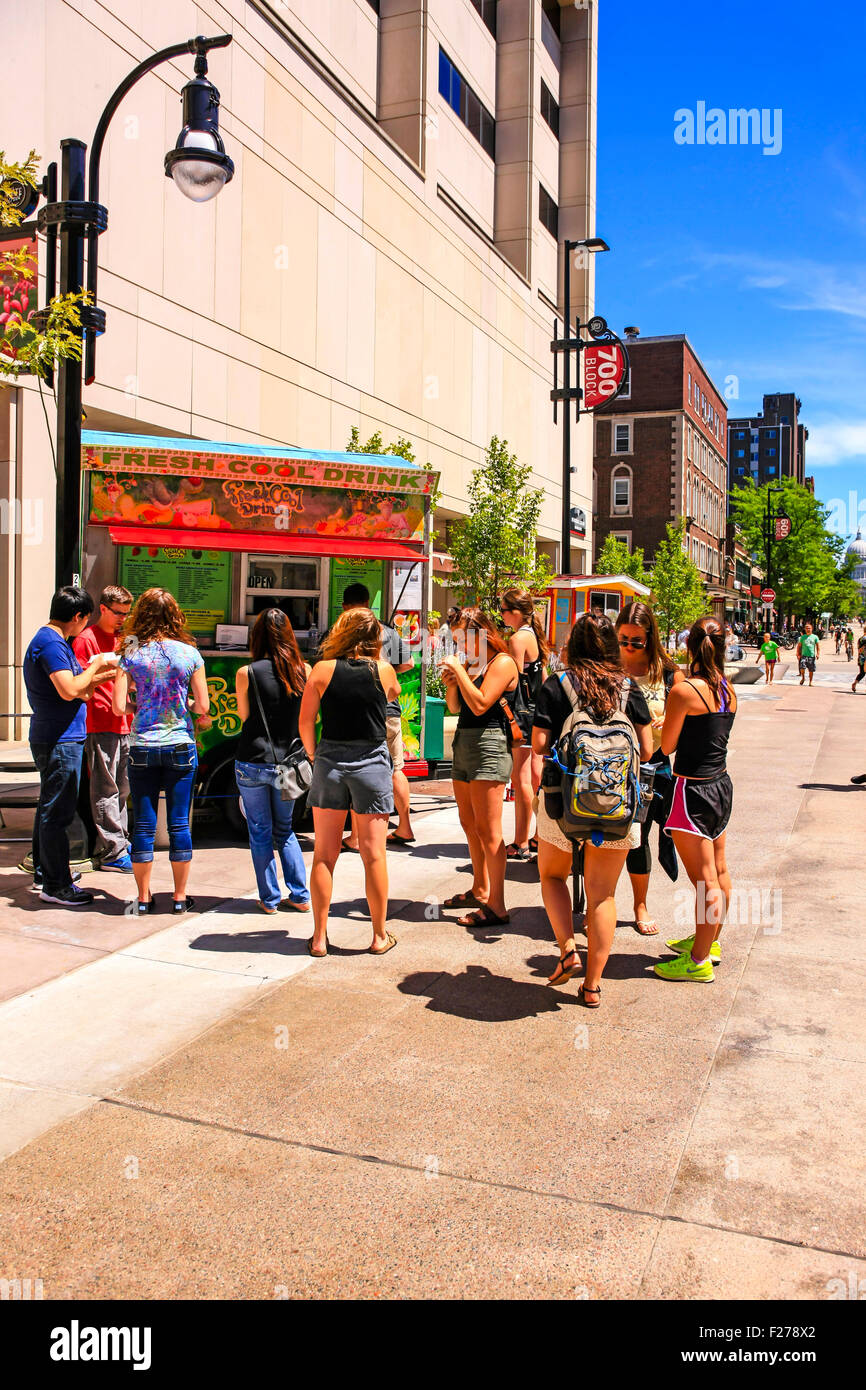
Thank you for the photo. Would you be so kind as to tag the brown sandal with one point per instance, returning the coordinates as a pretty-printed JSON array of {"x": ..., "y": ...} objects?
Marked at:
[
  {"x": 467, "y": 899},
  {"x": 392, "y": 942},
  {"x": 317, "y": 954},
  {"x": 484, "y": 917},
  {"x": 583, "y": 990},
  {"x": 565, "y": 972}
]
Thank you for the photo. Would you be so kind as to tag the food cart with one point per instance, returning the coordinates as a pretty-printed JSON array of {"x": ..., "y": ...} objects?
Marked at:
[
  {"x": 570, "y": 595},
  {"x": 232, "y": 529}
]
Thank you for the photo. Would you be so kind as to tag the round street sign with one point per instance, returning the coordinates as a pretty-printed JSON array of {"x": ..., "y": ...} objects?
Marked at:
[
  {"x": 768, "y": 595},
  {"x": 783, "y": 527}
]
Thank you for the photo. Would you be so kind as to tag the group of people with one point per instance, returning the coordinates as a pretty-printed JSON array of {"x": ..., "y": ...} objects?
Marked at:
[
  {"x": 808, "y": 652},
  {"x": 125, "y": 692}
]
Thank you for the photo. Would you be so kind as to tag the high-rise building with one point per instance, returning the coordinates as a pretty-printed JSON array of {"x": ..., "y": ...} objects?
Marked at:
[
  {"x": 660, "y": 454},
  {"x": 387, "y": 255},
  {"x": 770, "y": 445}
]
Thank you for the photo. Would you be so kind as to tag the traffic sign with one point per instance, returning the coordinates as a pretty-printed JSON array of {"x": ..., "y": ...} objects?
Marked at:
[
  {"x": 768, "y": 595},
  {"x": 783, "y": 527}
]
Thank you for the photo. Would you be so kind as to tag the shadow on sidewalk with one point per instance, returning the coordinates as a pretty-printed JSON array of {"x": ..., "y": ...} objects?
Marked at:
[
  {"x": 480, "y": 995},
  {"x": 830, "y": 787}
]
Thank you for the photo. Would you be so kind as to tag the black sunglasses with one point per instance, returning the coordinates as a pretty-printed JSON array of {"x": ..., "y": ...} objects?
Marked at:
[{"x": 632, "y": 642}]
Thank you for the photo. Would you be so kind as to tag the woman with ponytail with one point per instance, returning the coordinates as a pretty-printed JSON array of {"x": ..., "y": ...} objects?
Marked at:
[
  {"x": 698, "y": 718},
  {"x": 268, "y": 693},
  {"x": 528, "y": 646},
  {"x": 602, "y": 688}
]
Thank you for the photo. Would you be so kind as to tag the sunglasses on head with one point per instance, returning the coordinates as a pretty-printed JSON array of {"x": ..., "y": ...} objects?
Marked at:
[{"x": 636, "y": 642}]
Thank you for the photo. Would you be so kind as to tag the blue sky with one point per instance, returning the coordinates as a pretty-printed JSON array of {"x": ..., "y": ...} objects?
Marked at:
[{"x": 759, "y": 258}]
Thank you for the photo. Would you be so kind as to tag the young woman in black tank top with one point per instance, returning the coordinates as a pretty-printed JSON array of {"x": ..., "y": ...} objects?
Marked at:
[
  {"x": 698, "y": 718},
  {"x": 529, "y": 648},
  {"x": 352, "y": 767},
  {"x": 268, "y": 694},
  {"x": 481, "y": 760}
]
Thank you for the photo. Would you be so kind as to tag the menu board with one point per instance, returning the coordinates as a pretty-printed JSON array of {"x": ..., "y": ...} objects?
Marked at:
[
  {"x": 201, "y": 581},
  {"x": 346, "y": 572}
]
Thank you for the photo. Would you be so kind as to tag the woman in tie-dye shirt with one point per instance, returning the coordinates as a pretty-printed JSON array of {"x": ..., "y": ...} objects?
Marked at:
[{"x": 161, "y": 663}]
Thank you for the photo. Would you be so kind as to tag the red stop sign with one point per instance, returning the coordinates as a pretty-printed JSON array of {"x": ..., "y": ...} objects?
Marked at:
[{"x": 603, "y": 370}]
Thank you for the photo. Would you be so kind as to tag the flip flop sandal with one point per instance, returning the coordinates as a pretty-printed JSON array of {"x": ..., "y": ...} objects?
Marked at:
[
  {"x": 317, "y": 954},
  {"x": 565, "y": 972},
  {"x": 348, "y": 849},
  {"x": 646, "y": 928},
  {"x": 392, "y": 942},
  {"x": 395, "y": 839},
  {"x": 533, "y": 845},
  {"x": 467, "y": 899},
  {"x": 582, "y": 992},
  {"x": 484, "y": 917},
  {"x": 516, "y": 851}
]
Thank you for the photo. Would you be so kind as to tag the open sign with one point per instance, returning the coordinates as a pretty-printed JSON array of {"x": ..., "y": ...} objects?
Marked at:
[{"x": 603, "y": 372}]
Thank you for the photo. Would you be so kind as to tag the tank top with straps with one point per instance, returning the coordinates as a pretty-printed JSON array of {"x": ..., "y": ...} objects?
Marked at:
[
  {"x": 703, "y": 742},
  {"x": 354, "y": 703},
  {"x": 492, "y": 718}
]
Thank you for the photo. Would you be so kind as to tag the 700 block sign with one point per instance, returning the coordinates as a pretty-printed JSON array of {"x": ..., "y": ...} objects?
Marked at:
[{"x": 604, "y": 368}]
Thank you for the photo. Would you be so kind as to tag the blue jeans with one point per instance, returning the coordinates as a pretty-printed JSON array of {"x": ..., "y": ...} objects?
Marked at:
[
  {"x": 269, "y": 820},
  {"x": 170, "y": 768},
  {"x": 59, "y": 767}
]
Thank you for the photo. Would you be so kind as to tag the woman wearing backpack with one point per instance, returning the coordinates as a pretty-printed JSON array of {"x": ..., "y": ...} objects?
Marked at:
[
  {"x": 700, "y": 713},
  {"x": 529, "y": 648},
  {"x": 482, "y": 762},
  {"x": 599, "y": 682},
  {"x": 654, "y": 673}
]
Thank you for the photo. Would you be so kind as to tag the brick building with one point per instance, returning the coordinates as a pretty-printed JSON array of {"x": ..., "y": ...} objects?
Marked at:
[
  {"x": 660, "y": 452},
  {"x": 770, "y": 445}
]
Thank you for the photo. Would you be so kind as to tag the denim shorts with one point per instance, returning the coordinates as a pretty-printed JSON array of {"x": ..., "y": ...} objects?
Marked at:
[{"x": 356, "y": 776}]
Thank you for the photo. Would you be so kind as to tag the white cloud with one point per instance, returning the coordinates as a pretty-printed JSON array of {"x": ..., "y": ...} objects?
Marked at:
[{"x": 834, "y": 442}]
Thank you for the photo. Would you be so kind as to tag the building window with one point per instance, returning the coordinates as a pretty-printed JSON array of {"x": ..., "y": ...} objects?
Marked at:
[
  {"x": 688, "y": 441},
  {"x": 741, "y": 453},
  {"x": 771, "y": 434},
  {"x": 550, "y": 9},
  {"x": 621, "y": 493},
  {"x": 608, "y": 601},
  {"x": 548, "y": 212},
  {"x": 466, "y": 104},
  {"x": 624, "y": 536},
  {"x": 487, "y": 10},
  {"x": 549, "y": 108},
  {"x": 741, "y": 434},
  {"x": 689, "y": 391},
  {"x": 622, "y": 439},
  {"x": 740, "y": 472},
  {"x": 784, "y": 419},
  {"x": 771, "y": 453},
  {"x": 772, "y": 470}
]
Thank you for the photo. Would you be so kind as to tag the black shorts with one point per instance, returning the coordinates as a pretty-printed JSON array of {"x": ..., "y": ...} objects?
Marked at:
[{"x": 701, "y": 808}]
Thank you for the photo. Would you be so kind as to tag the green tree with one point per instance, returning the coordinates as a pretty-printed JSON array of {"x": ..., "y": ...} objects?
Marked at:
[
  {"x": 678, "y": 594},
  {"x": 616, "y": 558},
  {"x": 809, "y": 567},
  {"x": 26, "y": 348},
  {"x": 402, "y": 448},
  {"x": 495, "y": 545}
]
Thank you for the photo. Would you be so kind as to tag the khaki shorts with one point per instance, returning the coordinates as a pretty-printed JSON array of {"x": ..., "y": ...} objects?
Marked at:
[
  {"x": 480, "y": 755},
  {"x": 394, "y": 735}
]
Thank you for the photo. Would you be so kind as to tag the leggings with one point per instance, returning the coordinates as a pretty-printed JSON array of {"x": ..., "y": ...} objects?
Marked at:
[{"x": 640, "y": 860}]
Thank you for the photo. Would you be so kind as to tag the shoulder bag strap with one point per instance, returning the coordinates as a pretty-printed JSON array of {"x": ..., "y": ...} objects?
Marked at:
[
  {"x": 569, "y": 685},
  {"x": 252, "y": 676}
]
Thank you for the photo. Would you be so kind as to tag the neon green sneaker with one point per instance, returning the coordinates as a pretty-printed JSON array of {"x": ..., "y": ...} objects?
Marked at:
[
  {"x": 688, "y": 942},
  {"x": 683, "y": 968}
]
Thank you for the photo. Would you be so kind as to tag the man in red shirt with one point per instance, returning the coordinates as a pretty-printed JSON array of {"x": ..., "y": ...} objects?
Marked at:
[{"x": 107, "y": 742}]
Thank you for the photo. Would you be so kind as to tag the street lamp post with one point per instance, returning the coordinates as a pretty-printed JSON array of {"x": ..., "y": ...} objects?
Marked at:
[
  {"x": 199, "y": 167},
  {"x": 569, "y": 392}
]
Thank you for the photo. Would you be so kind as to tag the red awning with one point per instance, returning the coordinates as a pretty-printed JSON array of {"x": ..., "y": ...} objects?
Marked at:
[{"x": 340, "y": 547}]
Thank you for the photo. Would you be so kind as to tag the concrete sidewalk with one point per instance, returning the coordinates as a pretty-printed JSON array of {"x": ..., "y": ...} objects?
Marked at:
[{"x": 244, "y": 1122}]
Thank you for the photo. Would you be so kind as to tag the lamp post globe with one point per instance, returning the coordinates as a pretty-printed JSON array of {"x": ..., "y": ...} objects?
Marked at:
[{"x": 199, "y": 164}]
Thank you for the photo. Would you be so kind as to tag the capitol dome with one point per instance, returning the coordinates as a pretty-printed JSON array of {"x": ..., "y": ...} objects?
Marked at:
[{"x": 857, "y": 548}]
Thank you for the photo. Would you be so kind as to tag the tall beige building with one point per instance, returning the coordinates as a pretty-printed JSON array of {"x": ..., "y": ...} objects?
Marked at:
[{"x": 386, "y": 256}]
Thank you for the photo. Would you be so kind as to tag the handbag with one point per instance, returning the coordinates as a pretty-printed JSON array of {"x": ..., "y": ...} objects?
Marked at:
[{"x": 295, "y": 772}]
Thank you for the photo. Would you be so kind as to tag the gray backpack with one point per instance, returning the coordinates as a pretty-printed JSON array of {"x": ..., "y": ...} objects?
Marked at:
[{"x": 600, "y": 770}]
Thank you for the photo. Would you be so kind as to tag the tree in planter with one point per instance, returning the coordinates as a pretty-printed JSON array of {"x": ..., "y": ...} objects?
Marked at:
[
  {"x": 495, "y": 545},
  {"x": 616, "y": 558},
  {"x": 809, "y": 567},
  {"x": 678, "y": 594}
]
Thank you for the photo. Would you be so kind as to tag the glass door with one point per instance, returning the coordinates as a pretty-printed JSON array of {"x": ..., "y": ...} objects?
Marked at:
[{"x": 276, "y": 581}]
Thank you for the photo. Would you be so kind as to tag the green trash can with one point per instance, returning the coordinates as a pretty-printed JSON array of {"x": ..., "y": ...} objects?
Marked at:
[{"x": 434, "y": 729}]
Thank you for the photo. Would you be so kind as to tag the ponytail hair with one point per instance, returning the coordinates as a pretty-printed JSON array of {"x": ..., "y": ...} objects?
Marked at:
[
  {"x": 521, "y": 601},
  {"x": 706, "y": 648}
]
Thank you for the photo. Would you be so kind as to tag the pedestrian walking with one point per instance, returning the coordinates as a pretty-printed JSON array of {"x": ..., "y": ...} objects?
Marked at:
[
  {"x": 58, "y": 688},
  {"x": 594, "y": 684},
  {"x": 106, "y": 747},
  {"x": 808, "y": 652},
  {"x": 529, "y": 648},
  {"x": 351, "y": 685},
  {"x": 481, "y": 759},
  {"x": 769, "y": 650},
  {"x": 698, "y": 719},
  {"x": 654, "y": 674},
  {"x": 398, "y": 654},
  {"x": 268, "y": 693},
  {"x": 160, "y": 663},
  {"x": 861, "y": 661},
  {"x": 849, "y": 645}
]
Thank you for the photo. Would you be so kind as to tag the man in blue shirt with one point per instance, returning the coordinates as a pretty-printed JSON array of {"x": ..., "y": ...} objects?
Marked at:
[{"x": 57, "y": 688}]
